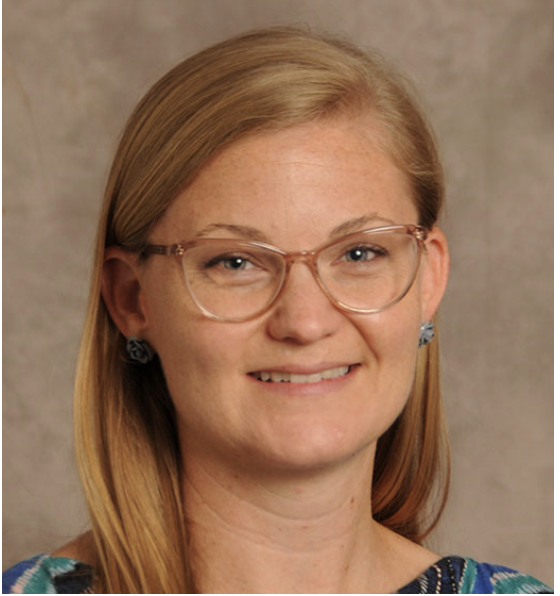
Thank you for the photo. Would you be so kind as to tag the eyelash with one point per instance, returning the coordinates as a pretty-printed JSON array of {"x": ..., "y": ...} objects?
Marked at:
[
  {"x": 225, "y": 258},
  {"x": 378, "y": 251}
]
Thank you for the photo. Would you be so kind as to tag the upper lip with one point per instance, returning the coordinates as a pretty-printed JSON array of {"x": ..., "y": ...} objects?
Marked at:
[{"x": 301, "y": 369}]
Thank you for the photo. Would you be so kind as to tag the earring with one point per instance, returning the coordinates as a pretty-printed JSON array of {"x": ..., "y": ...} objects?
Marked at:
[
  {"x": 426, "y": 333},
  {"x": 139, "y": 350}
]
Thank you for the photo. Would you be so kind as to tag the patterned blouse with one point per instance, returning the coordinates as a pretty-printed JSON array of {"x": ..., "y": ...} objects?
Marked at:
[{"x": 44, "y": 574}]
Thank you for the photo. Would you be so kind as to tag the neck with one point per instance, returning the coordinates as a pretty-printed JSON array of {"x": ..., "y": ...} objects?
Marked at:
[{"x": 286, "y": 533}]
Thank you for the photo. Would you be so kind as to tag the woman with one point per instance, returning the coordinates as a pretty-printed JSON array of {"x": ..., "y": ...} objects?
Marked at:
[{"x": 257, "y": 398}]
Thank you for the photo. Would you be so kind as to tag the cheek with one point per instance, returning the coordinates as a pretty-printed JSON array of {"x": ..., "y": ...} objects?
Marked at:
[
  {"x": 197, "y": 356},
  {"x": 392, "y": 339},
  {"x": 392, "y": 335},
  {"x": 176, "y": 334},
  {"x": 201, "y": 361},
  {"x": 200, "y": 373},
  {"x": 175, "y": 327}
]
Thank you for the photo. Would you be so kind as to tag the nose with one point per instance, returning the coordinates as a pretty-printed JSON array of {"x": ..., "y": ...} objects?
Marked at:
[{"x": 303, "y": 313}]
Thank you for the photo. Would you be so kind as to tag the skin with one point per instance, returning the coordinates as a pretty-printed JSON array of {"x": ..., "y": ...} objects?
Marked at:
[{"x": 278, "y": 476}]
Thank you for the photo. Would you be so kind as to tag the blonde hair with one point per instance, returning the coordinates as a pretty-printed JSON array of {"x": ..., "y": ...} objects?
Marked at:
[{"x": 127, "y": 444}]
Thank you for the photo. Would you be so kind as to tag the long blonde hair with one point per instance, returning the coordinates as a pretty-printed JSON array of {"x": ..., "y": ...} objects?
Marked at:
[{"x": 126, "y": 436}]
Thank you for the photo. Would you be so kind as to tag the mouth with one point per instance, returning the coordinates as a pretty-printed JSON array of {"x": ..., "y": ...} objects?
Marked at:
[{"x": 289, "y": 377}]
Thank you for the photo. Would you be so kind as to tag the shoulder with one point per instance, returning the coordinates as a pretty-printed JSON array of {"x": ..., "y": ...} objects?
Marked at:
[
  {"x": 81, "y": 548},
  {"x": 68, "y": 570},
  {"x": 501, "y": 580},
  {"x": 45, "y": 574},
  {"x": 459, "y": 575}
]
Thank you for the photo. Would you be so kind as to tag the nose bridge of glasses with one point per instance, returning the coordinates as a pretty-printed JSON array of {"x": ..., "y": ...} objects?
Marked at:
[{"x": 307, "y": 257}]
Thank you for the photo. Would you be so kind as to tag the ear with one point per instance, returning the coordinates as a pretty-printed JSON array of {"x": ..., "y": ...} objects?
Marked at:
[
  {"x": 435, "y": 272},
  {"x": 121, "y": 290}
]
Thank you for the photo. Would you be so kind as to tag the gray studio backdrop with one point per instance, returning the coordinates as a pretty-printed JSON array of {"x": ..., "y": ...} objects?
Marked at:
[{"x": 73, "y": 70}]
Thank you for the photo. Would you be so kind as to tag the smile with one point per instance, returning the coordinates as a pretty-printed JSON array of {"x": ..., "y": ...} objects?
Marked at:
[{"x": 286, "y": 377}]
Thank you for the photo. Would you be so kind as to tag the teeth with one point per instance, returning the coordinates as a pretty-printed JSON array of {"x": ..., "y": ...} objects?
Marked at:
[{"x": 280, "y": 377}]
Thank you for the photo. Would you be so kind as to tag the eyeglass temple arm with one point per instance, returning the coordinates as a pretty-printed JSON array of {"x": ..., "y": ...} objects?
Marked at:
[{"x": 158, "y": 249}]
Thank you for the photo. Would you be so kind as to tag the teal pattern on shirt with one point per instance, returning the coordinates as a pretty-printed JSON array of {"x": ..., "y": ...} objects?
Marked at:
[{"x": 44, "y": 574}]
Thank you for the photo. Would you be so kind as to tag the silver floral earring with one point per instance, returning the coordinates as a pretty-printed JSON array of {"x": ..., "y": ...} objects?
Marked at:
[
  {"x": 139, "y": 350},
  {"x": 426, "y": 333}
]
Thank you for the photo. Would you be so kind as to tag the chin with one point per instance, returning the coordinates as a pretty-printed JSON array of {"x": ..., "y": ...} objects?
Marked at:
[{"x": 308, "y": 447}]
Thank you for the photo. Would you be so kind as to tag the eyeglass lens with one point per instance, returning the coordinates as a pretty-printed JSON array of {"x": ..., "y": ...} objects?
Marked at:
[{"x": 364, "y": 272}]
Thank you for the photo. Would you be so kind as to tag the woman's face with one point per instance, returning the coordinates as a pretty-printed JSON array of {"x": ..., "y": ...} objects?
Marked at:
[{"x": 293, "y": 187}]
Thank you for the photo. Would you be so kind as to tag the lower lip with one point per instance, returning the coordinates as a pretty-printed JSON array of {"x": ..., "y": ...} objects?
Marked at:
[{"x": 317, "y": 388}]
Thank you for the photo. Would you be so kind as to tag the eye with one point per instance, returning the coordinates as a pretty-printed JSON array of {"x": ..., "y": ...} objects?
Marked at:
[
  {"x": 235, "y": 263},
  {"x": 360, "y": 254},
  {"x": 230, "y": 262}
]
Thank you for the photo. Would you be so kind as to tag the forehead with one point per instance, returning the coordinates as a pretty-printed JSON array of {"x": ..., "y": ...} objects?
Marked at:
[{"x": 307, "y": 179}]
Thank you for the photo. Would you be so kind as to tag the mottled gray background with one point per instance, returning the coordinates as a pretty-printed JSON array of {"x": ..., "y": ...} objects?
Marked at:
[{"x": 73, "y": 70}]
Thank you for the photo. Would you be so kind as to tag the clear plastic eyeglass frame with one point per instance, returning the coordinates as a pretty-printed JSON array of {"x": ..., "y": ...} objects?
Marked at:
[{"x": 309, "y": 257}]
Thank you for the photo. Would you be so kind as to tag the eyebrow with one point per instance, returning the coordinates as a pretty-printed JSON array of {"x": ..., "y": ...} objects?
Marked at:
[
  {"x": 352, "y": 225},
  {"x": 359, "y": 223},
  {"x": 244, "y": 231}
]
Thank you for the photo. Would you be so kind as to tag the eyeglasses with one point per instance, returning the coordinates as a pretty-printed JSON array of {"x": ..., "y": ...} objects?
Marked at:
[{"x": 235, "y": 280}]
